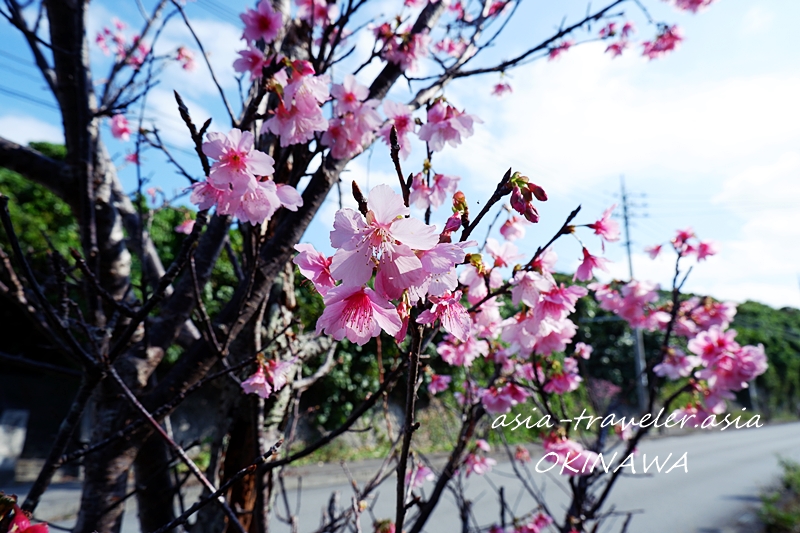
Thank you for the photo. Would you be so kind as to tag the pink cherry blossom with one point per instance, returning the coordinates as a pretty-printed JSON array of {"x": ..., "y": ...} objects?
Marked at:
[
  {"x": 653, "y": 251},
  {"x": 560, "y": 301},
  {"x": 616, "y": 49},
  {"x": 500, "y": 400},
  {"x": 693, "y": 5},
  {"x": 442, "y": 188},
  {"x": 270, "y": 377},
  {"x": 238, "y": 163},
  {"x": 590, "y": 262},
  {"x": 317, "y": 12},
  {"x": 446, "y": 125},
  {"x": 566, "y": 380},
  {"x": 349, "y": 95},
  {"x": 501, "y": 89},
  {"x": 676, "y": 364},
  {"x": 421, "y": 475},
  {"x": 479, "y": 465},
  {"x": 504, "y": 255},
  {"x": 406, "y": 49},
  {"x": 560, "y": 48},
  {"x": 261, "y": 23},
  {"x": 357, "y": 313},
  {"x": 439, "y": 383},
  {"x": 299, "y": 116},
  {"x": 453, "y": 316},
  {"x": 522, "y": 454},
  {"x": 347, "y": 135},
  {"x": 439, "y": 266},
  {"x": 257, "y": 384},
  {"x": 133, "y": 158},
  {"x": 120, "y": 128},
  {"x": 707, "y": 249},
  {"x": 609, "y": 30},
  {"x": 527, "y": 287},
  {"x": 575, "y": 460},
  {"x": 481, "y": 444},
  {"x": 185, "y": 227},
  {"x": 314, "y": 266},
  {"x": 386, "y": 238},
  {"x": 399, "y": 116},
  {"x": 186, "y": 58},
  {"x": 712, "y": 343},
  {"x": 513, "y": 228},
  {"x": 607, "y": 228},
  {"x": 583, "y": 350},
  {"x": 450, "y": 47},
  {"x": 667, "y": 40},
  {"x": 252, "y": 60},
  {"x": 462, "y": 353}
]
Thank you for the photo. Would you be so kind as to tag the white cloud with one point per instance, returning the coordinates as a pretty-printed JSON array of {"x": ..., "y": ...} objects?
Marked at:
[
  {"x": 757, "y": 20},
  {"x": 23, "y": 129}
]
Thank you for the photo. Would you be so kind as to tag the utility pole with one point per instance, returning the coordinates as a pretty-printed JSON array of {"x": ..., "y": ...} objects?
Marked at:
[{"x": 638, "y": 339}]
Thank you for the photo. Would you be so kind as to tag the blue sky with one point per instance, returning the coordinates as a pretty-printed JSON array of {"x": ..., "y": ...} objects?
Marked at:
[{"x": 710, "y": 134}]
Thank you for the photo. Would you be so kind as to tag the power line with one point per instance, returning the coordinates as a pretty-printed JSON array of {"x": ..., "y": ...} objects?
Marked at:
[
  {"x": 23, "y": 96},
  {"x": 19, "y": 72}
]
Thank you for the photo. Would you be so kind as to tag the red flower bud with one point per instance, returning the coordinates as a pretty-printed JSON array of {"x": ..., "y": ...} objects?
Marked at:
[{"x": 538, "y": 192}]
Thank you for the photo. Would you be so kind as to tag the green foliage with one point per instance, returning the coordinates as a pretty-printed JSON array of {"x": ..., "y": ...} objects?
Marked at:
[
  {"x": 780, "y": 511},
  {"x": 38, "y": 214},
  {"x": 779, "y": 331}
]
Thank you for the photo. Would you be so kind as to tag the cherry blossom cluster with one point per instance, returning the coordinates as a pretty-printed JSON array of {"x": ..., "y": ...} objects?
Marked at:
[
  {"x": 409, "y": 265},
  {"x": 270, "y": 377},
  {"x": 717, "y": 365},
  {"x": 240, "y": 183},
  {"x": 667, "y": 40},
  {"x": 609, "y": 31},
  {"x": 402, "y": 47},
  {"x": 107, "y": 38},
  {"x": 355, "y": 119}
]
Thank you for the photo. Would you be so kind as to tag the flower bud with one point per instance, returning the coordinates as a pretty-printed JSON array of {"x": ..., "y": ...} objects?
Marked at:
[{"x": 538, "y": 192}]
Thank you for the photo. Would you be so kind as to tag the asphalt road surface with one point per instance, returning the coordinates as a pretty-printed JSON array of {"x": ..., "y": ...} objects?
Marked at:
[{"x": 716, "y": 492}]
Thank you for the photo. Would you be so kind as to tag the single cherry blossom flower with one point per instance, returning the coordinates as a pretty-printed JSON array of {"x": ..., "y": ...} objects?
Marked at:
[
  {"x": 238, "y": 163},
  {"x": 607, "y": 228},
  {"x": 261, "y": 23},
  {"x": 251, "y": 60},
  {"x": 706, "y": 249},
  {"x": 479, "y": 465},
  {"x": 120, "y": 128},
  {"x": 513, "y": 228},
  {"x": 314, "y": 266},
  {"x": 559, "y": 49},
  {"x": 448, "y": 309},
  {"x": 399, "y": 116},
  {"x": 446, "y": 125},
  {"x": 357, "y": 313},
  {"x": 185, "y": 227},
  {"x": 439, "y": 383},
  {"x": 421, "y": 475},
  {"x": 653, "y": 251},
  {"x": 590, "y": 262},
  {"x": 424, "y": 197},
  {"x": 386, "y": 238},
  {"x": 583, "y": 350},
  {"x": 186, "y": 58}
]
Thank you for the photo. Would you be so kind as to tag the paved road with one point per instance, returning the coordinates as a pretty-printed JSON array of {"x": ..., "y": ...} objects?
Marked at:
[{"x": 726, "y": 472}]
